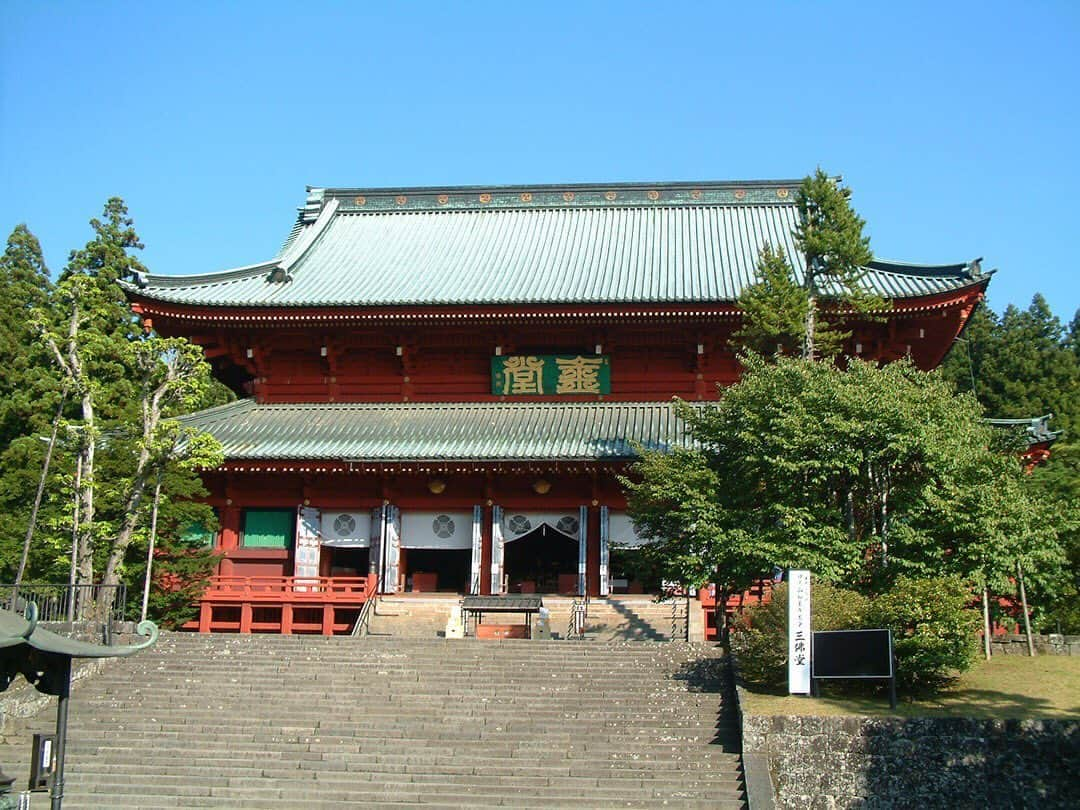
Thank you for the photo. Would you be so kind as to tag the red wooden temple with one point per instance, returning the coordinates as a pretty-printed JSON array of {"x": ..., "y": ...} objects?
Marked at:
[{"x": 439, "y": 385}]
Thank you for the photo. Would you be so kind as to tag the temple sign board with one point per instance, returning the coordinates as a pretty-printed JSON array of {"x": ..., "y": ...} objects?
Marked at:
[
  {"x": 550, "y": 375},
  {"x": 799, "y": 632}
]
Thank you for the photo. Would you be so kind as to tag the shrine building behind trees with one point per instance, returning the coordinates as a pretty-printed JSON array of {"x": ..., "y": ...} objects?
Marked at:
[{"x": 438, "y": 386}]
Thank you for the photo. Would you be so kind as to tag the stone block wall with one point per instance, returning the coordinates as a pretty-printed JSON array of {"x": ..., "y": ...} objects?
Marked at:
[
  {"x": 892, "y": 762},
  {"x": 1053, "y": 644}
]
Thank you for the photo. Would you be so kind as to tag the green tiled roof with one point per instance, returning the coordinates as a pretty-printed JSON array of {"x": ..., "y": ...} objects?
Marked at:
[
  {"x": 463, "y": 431},
  {"x": 1036, "y": 430},
  {"x": 619, "y": 243}
]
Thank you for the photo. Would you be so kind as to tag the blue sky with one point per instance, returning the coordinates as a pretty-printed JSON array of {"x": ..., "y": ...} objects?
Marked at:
[{"x": 954, "y": 123}]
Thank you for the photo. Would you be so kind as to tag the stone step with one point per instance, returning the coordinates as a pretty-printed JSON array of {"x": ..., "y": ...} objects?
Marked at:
[{"x": 260, "y": 721}]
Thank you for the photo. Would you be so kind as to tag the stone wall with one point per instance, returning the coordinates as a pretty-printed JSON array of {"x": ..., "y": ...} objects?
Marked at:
[
  {"x": 892, "y": 762},
  {"x": 1053, "y": 644}
]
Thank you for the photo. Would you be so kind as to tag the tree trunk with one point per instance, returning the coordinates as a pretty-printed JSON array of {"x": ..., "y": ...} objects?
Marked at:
[
  {"x": 150, "y": 550},
  {"x": 986, "y": 621},
  {"x": 809, "y": 347},
  {"x": 126, "y": 533},
  {"x": 86, "y": 495},
  {"x": 151, "y": 410},
  {"x": 73, "y": 578},
  {"x": 37, "y": 497},
  {"x": 1023, "y": 604}
]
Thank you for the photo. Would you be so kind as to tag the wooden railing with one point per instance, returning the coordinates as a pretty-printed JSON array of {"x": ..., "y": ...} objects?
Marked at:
[
  {"x": 290, "y": 589},
  {"x": 326, "y": 605}
]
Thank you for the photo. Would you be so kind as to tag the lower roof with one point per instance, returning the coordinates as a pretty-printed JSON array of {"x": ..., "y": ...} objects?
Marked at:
[{"x": 458, "y": 431}]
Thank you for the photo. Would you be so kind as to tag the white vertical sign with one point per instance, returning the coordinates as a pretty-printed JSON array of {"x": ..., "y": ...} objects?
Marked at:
[
  {"x": 392, "y": 548},
  {"x": 799, "y": 632},
  {"x": 308, "y": 548},
  {"x": 605, "y": 553},
  {"x": 477, "y": 549},
  {"x": 583, "y": 549},
  {"x": 496, "y": 550}
]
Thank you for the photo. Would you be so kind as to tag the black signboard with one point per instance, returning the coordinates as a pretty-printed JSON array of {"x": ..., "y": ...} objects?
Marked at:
[
  {"x": 858, "y": 654},
  {"x": 851, "y": 654}
]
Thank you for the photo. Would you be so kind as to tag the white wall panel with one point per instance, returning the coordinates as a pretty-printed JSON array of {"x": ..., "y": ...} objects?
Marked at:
[
  {"x": 436, "y": 530},
  {"x": 347, "y": 529}
]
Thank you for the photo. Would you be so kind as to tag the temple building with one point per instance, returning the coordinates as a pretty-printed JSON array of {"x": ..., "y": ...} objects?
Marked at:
[{"x": 439, "y": 386}]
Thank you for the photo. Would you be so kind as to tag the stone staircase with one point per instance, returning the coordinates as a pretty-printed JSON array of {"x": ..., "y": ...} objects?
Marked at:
[
  {"x": 634, "y": 618},
  {"x": 613, "y": 618},
  {"x": 234, "y": 721}
]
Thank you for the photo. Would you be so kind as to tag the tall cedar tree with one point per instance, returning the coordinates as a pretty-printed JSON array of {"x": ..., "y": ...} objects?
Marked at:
[
  {"x": 25, "y": 393},
  {"x": 29, "y": 391},
  {"x": 783, "y": 311},
  {"x": 830, "y": 235},
  {"x": 1021, "y": 365},
  {"x": 126, "y": 388},
  {"x": 86, "y": 333}
]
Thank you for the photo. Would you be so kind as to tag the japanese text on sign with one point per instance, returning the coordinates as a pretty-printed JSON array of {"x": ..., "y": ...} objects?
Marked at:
[
  {"x": 799, "y": 632},
  {"x": 544, "y": 375}
]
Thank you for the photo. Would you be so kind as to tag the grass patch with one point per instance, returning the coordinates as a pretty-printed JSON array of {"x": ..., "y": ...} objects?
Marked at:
[{"x": 1010, "y": 686}]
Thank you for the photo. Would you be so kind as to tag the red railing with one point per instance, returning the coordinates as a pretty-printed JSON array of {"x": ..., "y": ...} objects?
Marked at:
[
  {"x": 290, "y": 589},
  {"x": 326, "y": 605}
]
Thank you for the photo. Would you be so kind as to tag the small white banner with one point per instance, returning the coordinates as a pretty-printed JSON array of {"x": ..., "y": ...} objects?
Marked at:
[{"x": 799, "y": 632}]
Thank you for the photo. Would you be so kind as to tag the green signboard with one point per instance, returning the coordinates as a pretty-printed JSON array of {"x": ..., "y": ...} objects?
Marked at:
[{"x": 550, "y": 374}]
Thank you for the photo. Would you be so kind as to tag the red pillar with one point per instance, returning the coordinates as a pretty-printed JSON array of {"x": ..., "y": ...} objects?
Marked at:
[
  {"x": 230, "y": 537},
  {"x": 328, "y": 620},
  {"x": 286, "y": 619}
]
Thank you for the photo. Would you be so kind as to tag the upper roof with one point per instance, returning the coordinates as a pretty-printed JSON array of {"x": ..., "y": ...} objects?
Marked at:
[
  {"x": 615, "y": 243},
  {"x": 460, "y": 431}
]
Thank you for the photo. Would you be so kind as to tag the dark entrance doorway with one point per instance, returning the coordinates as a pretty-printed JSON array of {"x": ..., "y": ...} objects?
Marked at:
[
  {"x": 348, "y": 562},
  {"x": 634, "y": 571},
  {"x": 536, "y": 561},
  {"x": 437, "y": 569}
]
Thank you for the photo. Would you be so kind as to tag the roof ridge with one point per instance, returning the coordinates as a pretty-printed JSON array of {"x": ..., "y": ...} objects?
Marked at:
[
  {"x": 461, "y": 404},
  {"x": 328, "y": 191}
]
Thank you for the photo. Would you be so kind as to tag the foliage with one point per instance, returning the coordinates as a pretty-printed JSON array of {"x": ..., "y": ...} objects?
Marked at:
[
  {"x": 125, "y": 390},
  {"x": 781, "y": 311},
  {"x": 830, "y": 236},
  {"x": 934, "y": 629},
  {"x": 861, "y": 475},
  {"x": 26, "y": 394},
  {"x": 759, "y": 637},
  {"x": 1056, "y": 485},
  {"x": 1021, "y": 365},
  {"x": 774, "y": 308},
  {"x": 184, "y": 558}
]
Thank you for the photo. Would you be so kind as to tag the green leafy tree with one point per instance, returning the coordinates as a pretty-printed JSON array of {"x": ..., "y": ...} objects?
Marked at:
[
  {"x": 86, "y": 333},
  {"x": 126, "y": 390},
  {"x": 1056, "y": 486},
  {"x": 1020, "y": 365},
  {"x": 860, "y": 475},
  {"x": 172, "y": 377}
]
